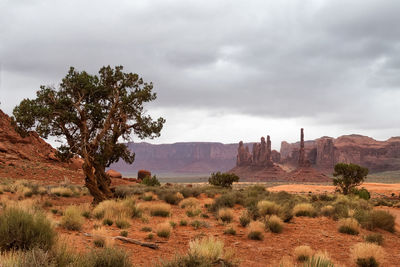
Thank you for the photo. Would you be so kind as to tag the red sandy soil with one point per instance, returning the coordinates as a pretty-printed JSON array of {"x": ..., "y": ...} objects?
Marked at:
[{"x": 319, "y": 233}]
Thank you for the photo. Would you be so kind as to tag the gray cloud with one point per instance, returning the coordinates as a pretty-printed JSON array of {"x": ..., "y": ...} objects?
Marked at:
[{"x": 331, "y": 62}]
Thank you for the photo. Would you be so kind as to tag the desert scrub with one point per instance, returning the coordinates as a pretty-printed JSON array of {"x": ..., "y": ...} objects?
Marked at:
[
  {"x": 124, "y": 233},
  {"x": 121, "y": 223},
  {"x": 203, "y": 252},
  {"x": 183, "y": 223},
  {"x": 20, "y": 229},
  {"x": 244, "y": 218},
  {"x": 196, "y": 224},
  {"x": 266, "y": 207},
  {"x": 107, "y": 257},
  {"x": 146, "y": 229},
  {"x": 230, "y": 231},
  {"x": 328, "y": 210},
  {"x": 150, "y": 181},
  {"x": 348, "y": 226},
  {"x": 72, "y": 218},
  {"x": 113, "y": 209},
  {"x": 375, "y": 219},
  {"x": 173, "y": 198},
  {"x": 274, "y": 224},
  {"x": 374, "y": 238},
  {"x": 193, "y": 212},
  {"x": 255, "y": 230},
  {"x": 303, "y": 253},
  {"x": 163, "y": 229},
  {"x": 101, "y": 238},
  {"x": 319, "y": 260},
  {"x": 367, "y": 255},
  {"x": 108, "y": 222},
  {"x": 160, "y": 209},
  {"x": 225, "y": 215},
  {"x": 61, "y": 191},
  {"x": 304, "y": 209},
  {"x": 189, "y": 202},
  {"x": 149, "y": 196}
]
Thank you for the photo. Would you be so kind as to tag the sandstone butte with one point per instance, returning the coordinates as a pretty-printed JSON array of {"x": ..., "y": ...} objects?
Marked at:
[{"x": 260, "y": 165}]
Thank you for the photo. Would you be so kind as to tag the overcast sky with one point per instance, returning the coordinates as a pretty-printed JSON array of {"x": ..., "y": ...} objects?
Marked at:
[{"x": 223, "y": 70}]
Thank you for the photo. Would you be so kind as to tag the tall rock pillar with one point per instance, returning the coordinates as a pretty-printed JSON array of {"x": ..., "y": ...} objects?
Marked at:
[{"x": 302, "y": 156}]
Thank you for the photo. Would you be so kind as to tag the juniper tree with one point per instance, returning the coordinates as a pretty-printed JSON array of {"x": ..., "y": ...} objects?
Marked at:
[
  {"x": 348, "y": 176},
  {"x": 94, "y": 114}
]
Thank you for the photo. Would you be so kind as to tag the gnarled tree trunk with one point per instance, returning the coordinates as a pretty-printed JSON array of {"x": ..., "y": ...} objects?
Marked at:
[{"x": 97, "y": 182}]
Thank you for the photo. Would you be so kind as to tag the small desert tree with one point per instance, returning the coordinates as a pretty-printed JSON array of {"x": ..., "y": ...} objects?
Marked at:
[
  {"x": 94, "y": 114},
  {"x": 348, "y": 176},
  {"x": 223, "y": 179}
]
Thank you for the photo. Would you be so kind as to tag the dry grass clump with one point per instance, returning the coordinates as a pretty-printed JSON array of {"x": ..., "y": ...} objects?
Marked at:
[
  {"x": 61, "y": 191},
  {"x": 114, "y": 209},
  {"x": 173, "y": 198},
  {"x": 101, "y": 238},
  {"x": 367, "y": 255},
  {"x": 304, "y": 209},
  {"x": 20, "y": 229},
  {"x": 207, "y": 251},
  {"x": 149, "y": 196},
  {"x": 376, "y": 219},
  {"x": 160, "y": 209},
  {"x": 164, "y": 229},
  {"x": 225, "y": 215},
  {"x": 244, "y": 218},
  {"x": 303, "y": 253},
  {"x": 208, "y": 247},
  {"x": 266, "y": 207},
  {"x": 274, "y": 224},
  {"x": 255, "y": 230},
  {"x": 193, "y": 212},
  {"x": 328, "y": 210},
  {"x": 349, "y": 226},
  {"x": 72, "y": 218},
  {"x": 374, "y": 238},
  {"x": 189, "y": 202}
]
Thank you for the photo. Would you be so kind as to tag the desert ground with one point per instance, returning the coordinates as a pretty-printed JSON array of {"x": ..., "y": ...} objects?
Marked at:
[{"x": 200, "y": 218}]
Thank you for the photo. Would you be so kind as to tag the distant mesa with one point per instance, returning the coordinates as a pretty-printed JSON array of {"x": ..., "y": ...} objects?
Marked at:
[{"x": 260, "y": 165}]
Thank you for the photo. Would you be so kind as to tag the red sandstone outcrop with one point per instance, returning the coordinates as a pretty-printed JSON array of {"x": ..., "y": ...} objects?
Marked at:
[
  {"x": 304, "y": 172},
  {"x": 13, "y": 147},
  {"x": 114, "y": 174},
  {"x": 323, "y": 153},
  {"x": 259, "y": 165}
]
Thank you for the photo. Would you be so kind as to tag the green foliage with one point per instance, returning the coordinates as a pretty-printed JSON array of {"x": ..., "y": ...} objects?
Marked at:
[
  {"x": 146, "y": 229},
  {"x": 348, "y": 176},
  {"x": 362, "y": 193},
  {"x": 183, "y": 223},
  {"x": 223, "y": 179},
  {"x": 150, "y": 181},
  {"x": 22, "y": 230},
  {"x": 93, "y": 113}
]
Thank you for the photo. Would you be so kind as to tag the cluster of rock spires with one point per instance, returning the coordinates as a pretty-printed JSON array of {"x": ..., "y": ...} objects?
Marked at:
[{"x": 261, "y": 165}]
